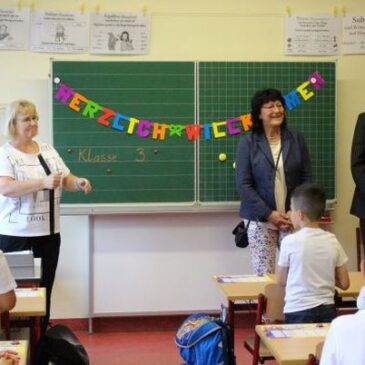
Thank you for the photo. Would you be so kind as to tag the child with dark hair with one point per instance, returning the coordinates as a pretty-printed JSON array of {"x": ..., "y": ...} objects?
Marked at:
[{"x": 311, "y": 261}]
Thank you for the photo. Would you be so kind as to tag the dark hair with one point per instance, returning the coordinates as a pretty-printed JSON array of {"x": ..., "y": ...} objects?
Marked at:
[
  {"x": 310, "y": 199},
  {"x": 260, "y": 98}
]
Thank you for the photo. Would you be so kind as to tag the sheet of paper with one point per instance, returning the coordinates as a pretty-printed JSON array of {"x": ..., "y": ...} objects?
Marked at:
[
  {"x": 14, "y": 28},
  {"x": 315, "y": 34},
  {"x": 119, "y": 33},
  {"x": 27, "y": 292},
  {"x": 297, "y": 331},
  {"x": 8, "y": 345},
  {"x": 242, "y": 279},
  {"x": 353, "y": 34},
  {"x": 59, "y": 31}
]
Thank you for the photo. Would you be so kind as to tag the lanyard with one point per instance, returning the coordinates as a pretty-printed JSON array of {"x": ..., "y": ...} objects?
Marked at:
[
  {"x": 277, "y": 161},
  {"x": 51, "y": 194}
]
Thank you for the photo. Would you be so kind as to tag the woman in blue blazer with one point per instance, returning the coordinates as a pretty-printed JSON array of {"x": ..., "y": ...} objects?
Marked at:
[{"x": 271, "y": 162}]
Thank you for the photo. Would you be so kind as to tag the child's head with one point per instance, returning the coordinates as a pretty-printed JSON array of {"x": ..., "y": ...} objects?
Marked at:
[{"x": 308, "y": 203}]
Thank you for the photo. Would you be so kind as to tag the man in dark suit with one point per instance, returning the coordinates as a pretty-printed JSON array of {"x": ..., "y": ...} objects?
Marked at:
[{"x": 358, "y": 173}]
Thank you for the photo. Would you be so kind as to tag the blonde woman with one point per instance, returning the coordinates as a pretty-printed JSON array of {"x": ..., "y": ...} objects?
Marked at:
[{"x": 32, "y": 176}]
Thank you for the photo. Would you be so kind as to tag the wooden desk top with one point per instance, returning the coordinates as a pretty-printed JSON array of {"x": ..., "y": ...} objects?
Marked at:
[
  {"x": 30, "y": 302},
  {"x": 249, "y": 290},
  {"x": 243, "y": 290},
  {"x": 293, "y": 350},
  {"x": 357, "y": 281},
  {"x": 21, "y": 347}
]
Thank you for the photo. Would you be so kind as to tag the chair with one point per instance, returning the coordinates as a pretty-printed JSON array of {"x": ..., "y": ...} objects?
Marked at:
[
  {"x": 270, "y": 306},
  {"x": 314, "y": 359}
]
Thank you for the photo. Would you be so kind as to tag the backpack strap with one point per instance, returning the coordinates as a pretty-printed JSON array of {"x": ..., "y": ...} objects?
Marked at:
[{"x": 227, "y": 342}]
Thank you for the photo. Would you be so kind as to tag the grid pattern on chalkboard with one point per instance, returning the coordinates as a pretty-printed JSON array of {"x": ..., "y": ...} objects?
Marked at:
[{"x": 225, "y": 90}]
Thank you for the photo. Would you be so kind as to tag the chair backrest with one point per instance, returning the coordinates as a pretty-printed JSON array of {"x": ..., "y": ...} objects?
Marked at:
[
  {"x": 270, "y": 306},
  {"x": 274, "y": 308}
]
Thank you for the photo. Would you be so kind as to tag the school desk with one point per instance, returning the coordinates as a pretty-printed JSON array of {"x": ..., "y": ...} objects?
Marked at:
[
  {"x": 357, "y": 281},
  {"x": 30, "y": 307},
  {"x": 239, "y": 288},
  {"x": 21, "y": 347},
  {"x": 294, "y": 349},
  {"x": 236, "y": 292}
]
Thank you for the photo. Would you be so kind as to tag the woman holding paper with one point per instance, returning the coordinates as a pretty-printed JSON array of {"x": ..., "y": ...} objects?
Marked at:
[
  {"x": 32, "y": 175},
  {"x": 271, "y": 162}
]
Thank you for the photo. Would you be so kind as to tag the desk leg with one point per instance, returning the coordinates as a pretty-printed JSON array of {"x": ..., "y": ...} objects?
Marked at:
[
  {"x": 231, "y": 318},
  {"x": 33, "y": 333},
  {"x": 90, "y": 326},
  {"x": 37, "y": 330},
  {"x": 5, "y": 324}
]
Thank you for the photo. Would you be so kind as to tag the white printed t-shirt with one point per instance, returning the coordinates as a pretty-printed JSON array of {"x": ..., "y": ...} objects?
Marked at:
[
  {"x": 7, "y": 282},
  {"x": 312, "y": 256},
  {"x": 28, "y": 215}
]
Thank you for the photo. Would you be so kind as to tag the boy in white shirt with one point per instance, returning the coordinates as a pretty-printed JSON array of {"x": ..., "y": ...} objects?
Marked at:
[
  {"x": 345, "y": 340},
  {"x": 311, "y": 261}
]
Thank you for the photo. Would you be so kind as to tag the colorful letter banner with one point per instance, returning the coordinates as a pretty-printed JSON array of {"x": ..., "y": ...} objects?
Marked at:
[{"x": 160, "y": 131}]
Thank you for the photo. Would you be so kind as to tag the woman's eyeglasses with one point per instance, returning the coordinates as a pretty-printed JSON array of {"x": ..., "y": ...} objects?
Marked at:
[{"x": 273, "y": 106}]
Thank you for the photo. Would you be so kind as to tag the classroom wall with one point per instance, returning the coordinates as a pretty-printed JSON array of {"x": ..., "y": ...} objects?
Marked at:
[{"x": 152, "y": 263}]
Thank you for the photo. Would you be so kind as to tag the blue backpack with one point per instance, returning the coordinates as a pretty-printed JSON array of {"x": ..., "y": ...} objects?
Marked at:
[{"x": 205, "y": 340}]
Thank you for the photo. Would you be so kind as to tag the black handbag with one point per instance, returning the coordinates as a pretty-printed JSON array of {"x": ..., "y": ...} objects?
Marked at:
[
  {"x": 240, "y": 234},
  {"x": 60, "y": 346}
]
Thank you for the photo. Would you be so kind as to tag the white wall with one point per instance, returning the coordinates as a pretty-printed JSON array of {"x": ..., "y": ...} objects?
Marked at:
[
  {"x": 137, "y": 254},
  {"x": 163, "y": 262}
]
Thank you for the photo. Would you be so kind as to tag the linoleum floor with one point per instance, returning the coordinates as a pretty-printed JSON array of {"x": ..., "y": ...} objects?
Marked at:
[{"x": 146, "y": 348}]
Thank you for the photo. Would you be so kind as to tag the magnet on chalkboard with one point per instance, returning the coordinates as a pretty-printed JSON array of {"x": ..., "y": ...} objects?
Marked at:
[
  {"x": 155, "y": 151},
  {"x": 222, "y": 157},
  {"x": 69, "y": 150},
  {"x": 108, "y": 171}
]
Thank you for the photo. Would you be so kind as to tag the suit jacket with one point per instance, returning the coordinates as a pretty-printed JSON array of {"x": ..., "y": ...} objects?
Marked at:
[
  {"x": 358, "y": 167},
  {"x": 255, "y": 172}
]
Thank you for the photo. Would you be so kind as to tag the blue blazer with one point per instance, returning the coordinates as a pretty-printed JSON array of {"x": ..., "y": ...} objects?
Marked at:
[{"x": 255, "y": 171}]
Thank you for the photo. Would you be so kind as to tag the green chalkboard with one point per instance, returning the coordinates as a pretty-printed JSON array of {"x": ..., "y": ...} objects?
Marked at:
[
  {"x": 225, "y": 90},
  {"x": 128, "y": 168}
]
